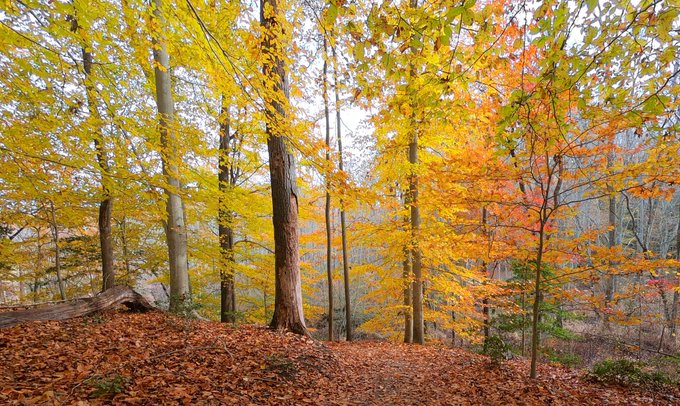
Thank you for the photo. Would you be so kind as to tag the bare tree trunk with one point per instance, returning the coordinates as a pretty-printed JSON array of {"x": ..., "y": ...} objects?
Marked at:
[
  {"x": 537, "y": 298},
  {"x": 343, "y": 226},
  {"x": 78, "y": 307},
  {"x": 288, "y": 313},
  {"x": 175, "y": 229},
  {"x": 327, "y": 213},
  {"x": 609, "y": 283},
  {"x": 416, "y": 265},
  {"x": 524, "y": 320},
  {"x": 453, "y": 330},
  {"x": 39, "y": 261},
  {"x": 57, "y": 254},
  {"x": 106, "y": 204},
  {"x": 408, "y": 319},
  {"x": 676, "y": 294},
  {"x": 485, "y": 301},
  {"x": 21, "y": 286},
  {"x": 225, "y": 222},
  {"x": 124, "y": 243},
  {"x": 416, "y": 254}
]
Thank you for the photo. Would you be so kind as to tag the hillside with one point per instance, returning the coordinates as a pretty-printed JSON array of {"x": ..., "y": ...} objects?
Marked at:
[{"x": 156, "y": 358}]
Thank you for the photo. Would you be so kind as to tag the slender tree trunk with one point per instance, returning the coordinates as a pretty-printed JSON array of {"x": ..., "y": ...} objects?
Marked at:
[
  {"x": 408, "y": 319},
  {"x": 327, "y": 213},
  {"x": 288, "y": 313},
  {"x": 416, "y": 265},
  {"x": 21, "y": 286},
  {"x": 676, "y": 294},
  {"x": 487, "y": 324},
  {"x": 416, "y": 255},
  {"x": 57, "y": 252},
  {"x": 225, "y": 221},
  {"x": 106, "y": 204},
  {"x": 175, "y": 229},
  {"x": 610, "y": 281},
  {"x": 611, "y": 243},
  {"x": 343, "y": 226},
  {"x": 485, "y": 301},
  {"x": 537, "y": 300},
  {"x": 524, "y": 320},
  {"x": 453, "y": 330},
  {"x": 124, "y": 243},
  {"x": 39, "y": 261}
]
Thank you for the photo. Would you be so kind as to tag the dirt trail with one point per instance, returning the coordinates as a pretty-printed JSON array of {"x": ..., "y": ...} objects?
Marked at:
[{"x": 398, "y": 374}]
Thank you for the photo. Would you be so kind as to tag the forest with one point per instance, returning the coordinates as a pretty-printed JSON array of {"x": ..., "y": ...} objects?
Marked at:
[{"x": 498, "y": 177}]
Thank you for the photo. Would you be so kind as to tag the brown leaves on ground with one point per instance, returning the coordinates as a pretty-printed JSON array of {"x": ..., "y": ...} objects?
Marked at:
[{"x": 155, "y": 358}]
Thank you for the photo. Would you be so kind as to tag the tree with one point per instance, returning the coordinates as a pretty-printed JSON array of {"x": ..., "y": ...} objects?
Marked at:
[
  {"x": 327, "y": 208},
  {"x": 343, "y": 225},
  {"x": 174, "y": 224},
  {"x": 106, "y": 204},
  {"x": 288, "y": 313},
  {"x": 227, "y": 176}
]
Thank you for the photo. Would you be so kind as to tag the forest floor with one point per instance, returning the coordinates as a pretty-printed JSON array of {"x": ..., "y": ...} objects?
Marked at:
[{"x": 155, "y": 358}]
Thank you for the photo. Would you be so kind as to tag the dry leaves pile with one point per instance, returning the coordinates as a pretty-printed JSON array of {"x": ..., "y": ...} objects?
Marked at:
[{"x": 155, "y": 358}]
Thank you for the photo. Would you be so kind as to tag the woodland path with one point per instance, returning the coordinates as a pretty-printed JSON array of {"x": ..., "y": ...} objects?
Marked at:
[
  {"x": 398, "y": 374},
  {"x": 386, "y": 373}
]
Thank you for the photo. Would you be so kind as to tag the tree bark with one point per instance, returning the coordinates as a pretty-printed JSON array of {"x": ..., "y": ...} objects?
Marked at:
[
  {"x": 79, "y": 307},
  {"x": 106, "y": 204},
  {"x": 416, "y": 254},
  {"x": 54, "y": 227},
  {"x": 288, "y": 313},
  {"x": 175, "y": 229},
  {"x": 327, "y": 211},
  {"x": 610, "y": 281},
  {"x": 416, "y": 261},
  {"x": 485, "y": 301},
  {"x": 123, "y": 240},
  {"x": 676, "y": 294},
  {"x": 408, "y": 319},
  {"x": 343, "y": 226},
  {"x": 537, "y": 299},
  {"x": 225, "y": 222}
]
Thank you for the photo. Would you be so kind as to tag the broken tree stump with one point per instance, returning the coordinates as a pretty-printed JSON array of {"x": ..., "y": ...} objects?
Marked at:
[{"x": 78, "y": 307}]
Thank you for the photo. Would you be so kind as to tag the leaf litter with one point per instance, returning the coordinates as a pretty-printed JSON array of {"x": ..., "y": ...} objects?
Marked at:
[{"x": 156, "y": 358}]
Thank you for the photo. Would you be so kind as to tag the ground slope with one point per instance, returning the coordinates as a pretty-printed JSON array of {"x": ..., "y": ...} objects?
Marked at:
[{"x": 154, "y": 358}]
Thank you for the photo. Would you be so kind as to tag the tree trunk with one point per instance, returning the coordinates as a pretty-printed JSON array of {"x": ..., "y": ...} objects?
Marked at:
[
  {"x": 57, "y": 252},
  {"x": 418, "y": 320},
  {"x": 537, "y": 300},
  {"x": 485, "y": 301},
  {"x": 610, "y": 282},
  {"x": 327, "y": 212},
  {"x": 487, "y": 321},
  {"x": 611, "y": 243},
  {"x": 126, "y": 257},
  {"x": 676, "y": 294},
  {"x": 288, "y": 313},
  {"x": 175, "y": 229},
  {"x": 106, "y": 204},
  {"x": 225, "y": 223},
  {"x": 343, "y": 227},
  {"x": 408, "y": 319},
  {"x": 78, "y": 307},
  {"x": 416, "y": 260}
]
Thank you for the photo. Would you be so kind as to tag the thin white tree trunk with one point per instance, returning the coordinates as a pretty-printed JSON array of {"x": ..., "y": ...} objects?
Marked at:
[
  {"x": 175, "y": 229},
  {"x": 57, "y": 254}
]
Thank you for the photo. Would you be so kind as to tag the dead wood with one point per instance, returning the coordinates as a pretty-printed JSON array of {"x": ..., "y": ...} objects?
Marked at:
[{"x": 78, "y": 307}]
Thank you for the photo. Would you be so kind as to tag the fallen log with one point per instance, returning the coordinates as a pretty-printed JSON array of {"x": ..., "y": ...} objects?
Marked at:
[{"x": 78, "y": 307}]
